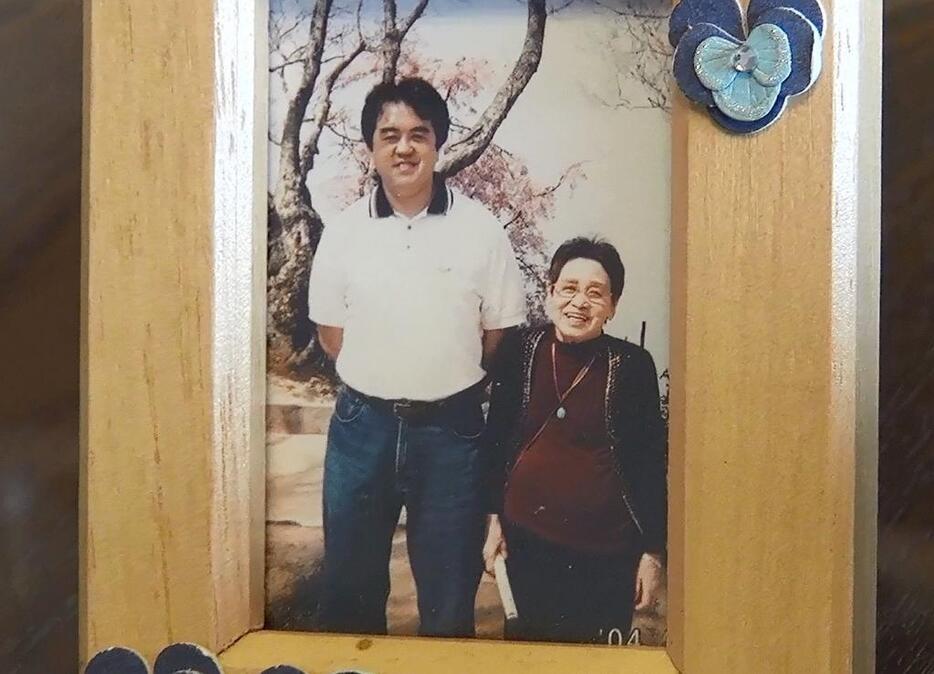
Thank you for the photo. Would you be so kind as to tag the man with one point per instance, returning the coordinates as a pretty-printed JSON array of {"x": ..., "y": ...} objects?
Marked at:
[{"x": 411, "y": 289}]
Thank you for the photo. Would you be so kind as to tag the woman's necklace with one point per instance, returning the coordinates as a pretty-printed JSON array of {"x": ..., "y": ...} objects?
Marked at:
[{"x": 562, "y": 412}]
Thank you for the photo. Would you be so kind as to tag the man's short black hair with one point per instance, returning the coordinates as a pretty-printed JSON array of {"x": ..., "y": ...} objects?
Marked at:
[
  {"x": 416, "y": 93},
  {"x": 590, "y": 248}
]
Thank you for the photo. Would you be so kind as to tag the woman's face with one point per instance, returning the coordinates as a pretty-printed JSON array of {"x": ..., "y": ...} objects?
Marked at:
[{"x": 580, "y": 302}]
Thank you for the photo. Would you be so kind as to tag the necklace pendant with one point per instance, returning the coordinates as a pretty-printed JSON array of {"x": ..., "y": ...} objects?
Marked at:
[{"x": 561, "y": 413}]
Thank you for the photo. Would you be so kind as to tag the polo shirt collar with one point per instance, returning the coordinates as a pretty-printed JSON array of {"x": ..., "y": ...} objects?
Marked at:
[{"x": 441, "y": 199}]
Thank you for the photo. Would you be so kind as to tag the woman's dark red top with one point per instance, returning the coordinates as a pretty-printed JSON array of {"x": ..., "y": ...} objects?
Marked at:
[{"x": 563, "y": 487}]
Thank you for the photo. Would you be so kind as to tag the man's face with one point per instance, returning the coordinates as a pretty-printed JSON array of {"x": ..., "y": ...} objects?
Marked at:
[
  {"x": 580, "y": 301},
  {"x": 404, "y": 151}
]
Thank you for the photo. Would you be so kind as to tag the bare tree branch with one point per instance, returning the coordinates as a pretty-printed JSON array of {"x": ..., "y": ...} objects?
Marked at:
[
  {"x": 277, "y": 36},
  {"x": 518, "y": 214},
  {"x": 343, "y": 135},
  {"x": 286, "y": 64},
  {"x": 295, "y": 25},
  {"x": 360, "y": 20},
  {"x": 551, "y": 189},
  {"x": 630, "y": 10},
  {"x": 310, "y": 149},
  {"x": 643, "y": 23},
  {"x": 527, "y": 269},
  {"x": 466, "y": 151},
  {"x": 389, "y": 15},
  {"x": 390, "y": 49},
  {"x": 413, "y": 17},
  {"x": 290, "y": 162},
  {"x": 558, "y": 8},
  {"x": 278, "y": 33},
  {"x": 297, "y": 55}
]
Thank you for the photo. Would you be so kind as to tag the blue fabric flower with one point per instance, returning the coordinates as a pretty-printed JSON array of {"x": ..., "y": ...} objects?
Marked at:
[{"x": 743, "y": 79}]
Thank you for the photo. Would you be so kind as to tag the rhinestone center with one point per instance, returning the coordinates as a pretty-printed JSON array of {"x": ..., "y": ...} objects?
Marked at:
[{"x": 745, "y": 59}]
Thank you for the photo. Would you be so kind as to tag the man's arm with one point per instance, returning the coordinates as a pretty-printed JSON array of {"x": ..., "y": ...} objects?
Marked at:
[
  {"x": 503, "y": 305},
  {"x": 327, "y": 289},
  {"x": 331, "y": 339},
  {"x": 491, "y": 341}
]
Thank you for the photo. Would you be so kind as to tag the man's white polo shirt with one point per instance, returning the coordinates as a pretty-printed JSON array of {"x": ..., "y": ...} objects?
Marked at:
[{"x": 414, "y": 295}]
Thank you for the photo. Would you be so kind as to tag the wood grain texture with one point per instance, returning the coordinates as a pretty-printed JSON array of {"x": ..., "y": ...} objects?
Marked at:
[
  {"x": 772, "y": 266},
  {"x": 860, "y": 47},
  {"x": 146, "y": 562},
  {"x": 238, "y": 318},
  {"x": 409, "y": 655},
  {"x": 774, "y": 251},
  {"x": 171, "y": 505}
]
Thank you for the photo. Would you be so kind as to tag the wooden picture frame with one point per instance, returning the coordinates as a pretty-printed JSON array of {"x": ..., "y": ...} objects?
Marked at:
[{"x": 774, "y": 328}]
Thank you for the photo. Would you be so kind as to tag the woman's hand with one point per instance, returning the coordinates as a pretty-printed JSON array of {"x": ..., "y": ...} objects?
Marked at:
[
  {"x": 495, "y": 543},
  {"x": 649, "y": 580}
]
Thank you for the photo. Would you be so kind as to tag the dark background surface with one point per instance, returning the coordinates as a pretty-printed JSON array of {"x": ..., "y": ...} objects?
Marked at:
[
  {"x": 40, "y": 127},
  {"x": 40, "y": 251},
  {"x": 906, "y": 422}
]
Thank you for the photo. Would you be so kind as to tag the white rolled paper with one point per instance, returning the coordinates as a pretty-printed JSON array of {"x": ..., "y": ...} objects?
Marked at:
[{"x": 505, "y": 591}]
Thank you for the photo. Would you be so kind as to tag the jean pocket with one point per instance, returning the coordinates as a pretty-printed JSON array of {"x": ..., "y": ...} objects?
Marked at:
[
  {"x": 467, "y": 423},
  {"x": 347, "y": 407}
]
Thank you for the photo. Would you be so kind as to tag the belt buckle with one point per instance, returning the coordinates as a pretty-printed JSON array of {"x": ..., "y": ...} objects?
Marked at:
[{"x": 402, "y": 408}]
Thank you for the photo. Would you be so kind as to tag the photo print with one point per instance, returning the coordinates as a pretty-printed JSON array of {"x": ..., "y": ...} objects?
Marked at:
[{"x": 468, "y": 254}]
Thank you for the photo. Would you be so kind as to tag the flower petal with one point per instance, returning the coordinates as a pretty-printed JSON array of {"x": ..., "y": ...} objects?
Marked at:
[
  {"x": 726, "y": 14},
  {"x": 746, "y": 100},
  {"x": 774, "y": 54},
  {"x": 809, "y": 9},
  {"x": 805, "y": 43},
  {"x": 736, "y": 126},
  {"x": 713, "y": 62},
  {"x": 683, "y": 65}
]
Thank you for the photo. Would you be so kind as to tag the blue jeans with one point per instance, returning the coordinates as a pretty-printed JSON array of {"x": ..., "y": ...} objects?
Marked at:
[{"x": 376, "y": 463}]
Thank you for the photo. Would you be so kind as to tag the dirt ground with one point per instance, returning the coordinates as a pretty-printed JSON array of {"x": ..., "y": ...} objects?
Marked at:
[
  {"x": 293, "y": 564},
  {"x": 294, "y": 538},
  {"x": 292, "y": 575}
]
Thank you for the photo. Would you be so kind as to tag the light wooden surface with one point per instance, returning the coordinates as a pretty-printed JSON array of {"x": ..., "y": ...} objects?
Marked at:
[
  {"x": 774, "y": 257},
  {"x": 171, "y": 497},
  {"x": 859, "y": 198},
  {"x": 322, "y": 654},
  {"x": 147, "y": 440},
  {"x": 773, "y": 267},
  {"x": 239, "y": 317}
]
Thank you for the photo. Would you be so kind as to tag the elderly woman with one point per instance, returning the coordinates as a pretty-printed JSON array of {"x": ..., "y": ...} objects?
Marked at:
[{"x": 576, "y": 450}]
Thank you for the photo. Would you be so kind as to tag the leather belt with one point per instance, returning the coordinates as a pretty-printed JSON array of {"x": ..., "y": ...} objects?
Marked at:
[{"x": 422, "y": 410}]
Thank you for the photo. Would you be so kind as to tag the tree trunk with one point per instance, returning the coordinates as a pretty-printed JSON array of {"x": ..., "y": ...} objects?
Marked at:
[
  {"x": 390, "y": 49},
  {"x": 292, "y": 342},
  {"x": 299, "y": 224},
  {"x": 290, "y": 329},
  {"x": 291, "y": 334}
]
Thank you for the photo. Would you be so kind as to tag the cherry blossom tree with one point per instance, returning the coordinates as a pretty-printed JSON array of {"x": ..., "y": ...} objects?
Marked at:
[
  {"x": 328, "y": 45},
  {"x": 326, "y": 59}
]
